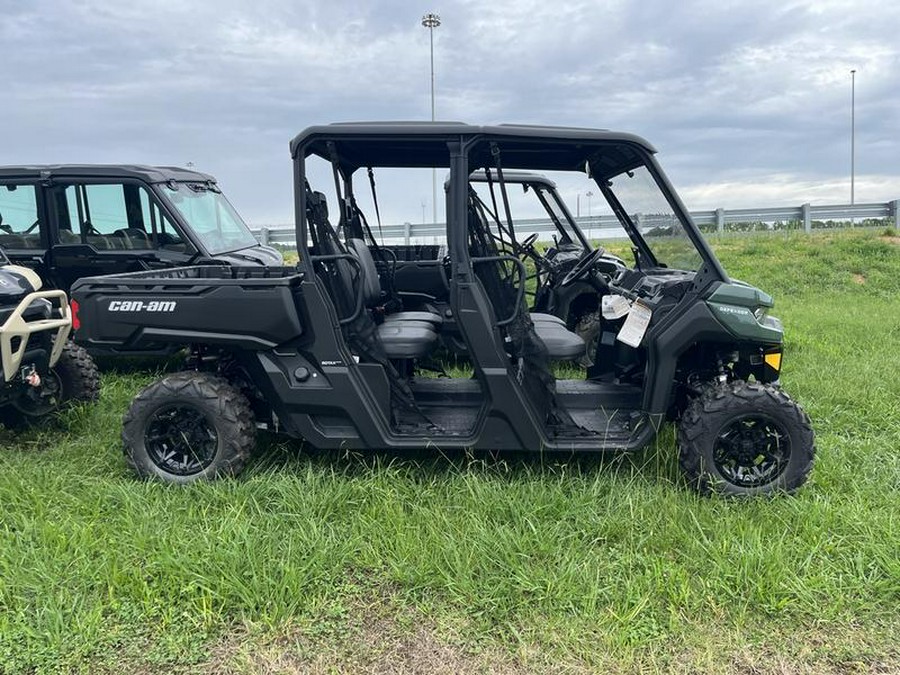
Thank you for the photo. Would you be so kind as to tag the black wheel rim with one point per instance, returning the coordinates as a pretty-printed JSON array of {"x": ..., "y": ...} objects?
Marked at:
[
  {"x": 752, "y": 451},
  {"x": 41, "y": 401},
  {"x": 180, "y": 440}
]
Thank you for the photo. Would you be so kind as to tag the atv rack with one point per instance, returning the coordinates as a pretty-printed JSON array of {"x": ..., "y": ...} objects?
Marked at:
[{"x": 16, "y": 330}]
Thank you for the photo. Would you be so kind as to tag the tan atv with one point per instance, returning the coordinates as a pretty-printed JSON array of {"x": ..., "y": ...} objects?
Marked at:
[{"x": 42, "y": 370}]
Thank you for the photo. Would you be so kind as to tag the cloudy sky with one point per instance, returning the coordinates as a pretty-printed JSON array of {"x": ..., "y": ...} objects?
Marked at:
[{"x": 748, "y": 102}]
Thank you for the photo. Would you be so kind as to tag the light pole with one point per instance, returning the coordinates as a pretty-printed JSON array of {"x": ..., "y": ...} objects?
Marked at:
[
  {"x": 852, "y": 135},
  {"x": 590, "y": 194},
  {"x": 432, "y": 21}
]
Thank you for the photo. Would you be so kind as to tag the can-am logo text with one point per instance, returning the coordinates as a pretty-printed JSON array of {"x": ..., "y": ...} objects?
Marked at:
[{"x": 141, "y": 306}]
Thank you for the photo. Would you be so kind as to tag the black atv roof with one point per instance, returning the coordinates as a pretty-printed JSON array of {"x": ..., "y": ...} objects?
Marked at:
[
  {"x": 480, "y": 176},
  {"x": 424, "y": 144},
  {"x": 151, "y": 174}
]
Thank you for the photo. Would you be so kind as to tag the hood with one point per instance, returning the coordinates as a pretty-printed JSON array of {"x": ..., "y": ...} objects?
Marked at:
[{"x": 13, "y": 286}]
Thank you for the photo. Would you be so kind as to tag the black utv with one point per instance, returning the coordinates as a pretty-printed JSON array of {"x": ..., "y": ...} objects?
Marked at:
[
  {"x": 41, "y": 370},
  {"x": 71, "y": 221},
  {"x": 318, "y": 353}
]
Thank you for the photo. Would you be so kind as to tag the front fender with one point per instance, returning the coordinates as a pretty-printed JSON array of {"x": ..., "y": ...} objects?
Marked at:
[{"x": 667, "y": 342}]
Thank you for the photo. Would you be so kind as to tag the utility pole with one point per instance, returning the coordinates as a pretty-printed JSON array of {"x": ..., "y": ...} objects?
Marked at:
[
  {"x": 432, "y": 21},
  {"x": 852, "y": 136}
]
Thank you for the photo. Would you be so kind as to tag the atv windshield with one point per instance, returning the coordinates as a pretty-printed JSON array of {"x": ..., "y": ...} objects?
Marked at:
[
  {"x": 652, "y": 219},
  {"x": 211, "y": 218},
  {"x": 559, "y": 214}
]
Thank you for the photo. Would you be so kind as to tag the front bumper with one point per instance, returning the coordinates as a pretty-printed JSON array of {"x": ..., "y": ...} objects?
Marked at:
[{"x": 17, "y": 330}]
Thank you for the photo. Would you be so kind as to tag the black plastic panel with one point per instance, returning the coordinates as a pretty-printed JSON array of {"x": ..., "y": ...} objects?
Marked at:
[{"x": 251, "y": 307}]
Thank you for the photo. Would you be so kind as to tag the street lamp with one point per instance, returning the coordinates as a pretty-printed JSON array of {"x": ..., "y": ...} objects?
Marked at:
[
  {"x": 852, "y": 135},
  {"x": 432, "y": 21},
  {"x": 590, "y": 194}
]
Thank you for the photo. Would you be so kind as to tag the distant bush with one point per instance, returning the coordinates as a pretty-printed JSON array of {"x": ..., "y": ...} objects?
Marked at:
[
  {"x": 796, "y": 225},
  {"x": 837, "y": 224}
]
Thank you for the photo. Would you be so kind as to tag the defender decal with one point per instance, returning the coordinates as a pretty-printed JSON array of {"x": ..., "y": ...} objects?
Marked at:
[{"x": 739, "y": 311}]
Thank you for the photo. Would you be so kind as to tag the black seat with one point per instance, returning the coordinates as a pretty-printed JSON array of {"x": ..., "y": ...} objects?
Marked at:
[
  {"x": 407, "y": 335},
  {"x": 373, "y": 291},
  {"x": 429, "y": 317},
  {"x": 561, "y": 344},
  {"x": 406, "y": 339},
  {"x": 537, "y": 317}
]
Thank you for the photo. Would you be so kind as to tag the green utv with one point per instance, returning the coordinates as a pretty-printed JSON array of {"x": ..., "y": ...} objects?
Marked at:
[{"x": 325, "y": 353}]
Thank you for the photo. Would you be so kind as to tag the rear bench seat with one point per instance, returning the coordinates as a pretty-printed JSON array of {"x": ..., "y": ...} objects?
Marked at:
[{"x": 406, "y": 335}]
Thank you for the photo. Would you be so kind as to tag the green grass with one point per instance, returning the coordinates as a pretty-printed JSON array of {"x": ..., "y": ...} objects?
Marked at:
[{"x": 343, "y": 561}]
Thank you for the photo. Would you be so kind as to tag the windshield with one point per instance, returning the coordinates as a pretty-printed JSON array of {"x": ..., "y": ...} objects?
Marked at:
[
  {"x": 559, "y": 214},
  {"x": 210, "y": 217},
  {"x": 654, "y": 218},
  {"x": 536, "y": 202}
]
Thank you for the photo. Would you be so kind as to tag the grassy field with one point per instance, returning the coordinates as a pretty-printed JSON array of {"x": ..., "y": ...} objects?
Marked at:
[{"x": 322, "y": 562}]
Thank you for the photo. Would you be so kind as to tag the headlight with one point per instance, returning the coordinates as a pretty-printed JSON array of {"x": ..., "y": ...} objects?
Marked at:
[
  {"x": 772, "y": 322},
  {"x": 760, "y": 313}
]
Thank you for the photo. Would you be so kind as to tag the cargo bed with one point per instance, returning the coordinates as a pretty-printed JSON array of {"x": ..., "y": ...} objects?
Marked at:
[{"x": 251, "y": 307}]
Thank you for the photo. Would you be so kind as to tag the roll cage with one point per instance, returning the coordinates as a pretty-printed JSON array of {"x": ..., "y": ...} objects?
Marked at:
[{"x": 465, "y": 148}]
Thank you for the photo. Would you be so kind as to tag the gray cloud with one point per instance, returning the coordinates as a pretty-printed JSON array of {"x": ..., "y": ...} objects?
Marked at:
[{"x": 746, "y": 101}]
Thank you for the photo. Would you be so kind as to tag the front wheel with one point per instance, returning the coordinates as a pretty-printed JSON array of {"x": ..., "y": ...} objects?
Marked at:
[
  {"x": 188, "y": 426},
  {"x": 74, "y": 379},
  {"x": 745, "y": 439}
]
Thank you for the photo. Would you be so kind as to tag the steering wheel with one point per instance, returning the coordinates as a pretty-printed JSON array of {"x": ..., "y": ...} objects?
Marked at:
[
  {"x": 527, "y": 248},
  {"x": 581, "y": 267}
]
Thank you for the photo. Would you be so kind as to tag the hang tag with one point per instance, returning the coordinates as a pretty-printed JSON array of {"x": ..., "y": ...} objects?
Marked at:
[
  {"x": 614, "y": 307},
  {"x": 635, "y": 325}
]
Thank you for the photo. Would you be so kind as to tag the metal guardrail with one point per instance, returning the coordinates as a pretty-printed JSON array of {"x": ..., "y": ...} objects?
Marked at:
[{"x": 805, "y": 216}]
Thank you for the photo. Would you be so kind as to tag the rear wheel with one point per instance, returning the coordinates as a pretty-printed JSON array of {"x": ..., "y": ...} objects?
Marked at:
[
  {"x": 744, "y": 439},
  {"x": 189, "y": 426},
  {"x": 74, "y": 379}
]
